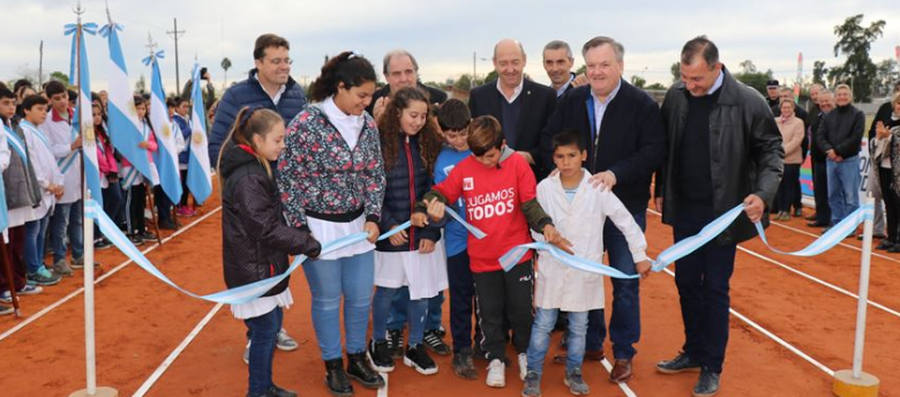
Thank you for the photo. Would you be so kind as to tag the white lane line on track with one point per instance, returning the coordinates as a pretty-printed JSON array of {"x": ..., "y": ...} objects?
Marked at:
[
  {"x": 775, "y": 338},
  {"x": 108, "y": 274},
  {"x": 804, "y": 232},
  {"x": 177, "y": 352},
  {"x": 624, "y": 386},
  {"x": 812, "y": 278}
]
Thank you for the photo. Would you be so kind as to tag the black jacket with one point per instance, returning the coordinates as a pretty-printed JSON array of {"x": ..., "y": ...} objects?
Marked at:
[
  {"x": 842, "y": 129},
  {"x": 539, "y": 102},
  {"x": 746, "y": 153},
  {"x": 814, "y": 150},
  {"x": 404, "y": 187},
  {"x": 632, "y": 139},
  {"x": 435, "y": 96},
  {"x": 256, "y": 239},
  {"x": 883, "y": 115}
]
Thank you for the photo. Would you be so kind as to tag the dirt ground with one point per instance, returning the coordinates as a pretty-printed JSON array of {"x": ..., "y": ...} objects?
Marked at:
[{"x": 140, "y": 321}]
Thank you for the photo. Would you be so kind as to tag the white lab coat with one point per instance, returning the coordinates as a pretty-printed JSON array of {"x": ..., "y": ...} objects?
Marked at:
[{"x": 559, "y": 286}]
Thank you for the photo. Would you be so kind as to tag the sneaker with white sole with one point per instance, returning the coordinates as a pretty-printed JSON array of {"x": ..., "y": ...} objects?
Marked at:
[
  {"x": 285, "y": 342},
  {"x": 417, "y": 358},
  {"x": 434, "y": 342},
  {"x": 395, "y": 342},
  {"x": 575, "y": 381},
  {"x": 380, "y": 356},
  {"x": 43, "y": 277},
  {"x": 532, "y": 387},
  {"x": 523, "y": 366},
  {"x": 496, "y": 376},
  {"x": 6, "y": 297},
  {"x": 4, "y": 310}
]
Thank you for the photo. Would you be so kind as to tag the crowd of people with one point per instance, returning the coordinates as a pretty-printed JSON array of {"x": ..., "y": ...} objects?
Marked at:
[{"x": 572, "y": 164}]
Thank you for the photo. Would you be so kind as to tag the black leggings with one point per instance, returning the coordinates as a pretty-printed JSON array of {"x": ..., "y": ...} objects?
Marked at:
[
  {"x": 511, "y": 292},
  {"x": 891, "y": 204},
  {"x": 135, "y": 201}
]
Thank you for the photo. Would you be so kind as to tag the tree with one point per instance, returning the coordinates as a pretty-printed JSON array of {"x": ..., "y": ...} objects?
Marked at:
[
  {"x": 581, "y": 70},
  {"x": 226, "y": 64},
  {"x": 819, "y": 72},
  {"x": 656, "y": 86},
  {"x": 141, "y": 86},
  {"x": 638, "y": 81},
  {"x": 886, "y": 76},
  {"x": 492, "y": 76},
  {"x": 60, "y": 76},
  {"x": 676, "y": 72},
  {"x": 854, "y": 41},
  {"x": 747, "y": 67},
  {"x": 464, "y": 83},
  {"x": 757, "y": 80}
]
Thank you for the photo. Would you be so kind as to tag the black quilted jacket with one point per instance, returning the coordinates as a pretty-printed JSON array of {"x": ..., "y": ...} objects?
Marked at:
[{"x": 256, "y": 239}]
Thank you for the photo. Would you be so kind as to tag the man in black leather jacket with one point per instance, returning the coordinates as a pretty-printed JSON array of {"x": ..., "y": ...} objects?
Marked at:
[{"x": 724, "y": 149}]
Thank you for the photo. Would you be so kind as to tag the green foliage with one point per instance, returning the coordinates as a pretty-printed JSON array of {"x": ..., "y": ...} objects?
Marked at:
[
  {"x": 60, "y": 76},
  {"x": 855, "y": 41}
]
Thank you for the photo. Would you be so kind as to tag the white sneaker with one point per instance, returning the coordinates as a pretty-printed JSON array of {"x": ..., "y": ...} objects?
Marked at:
[
  {"x": 523, "y": 366},
  {"x": 496, "y": 376}
]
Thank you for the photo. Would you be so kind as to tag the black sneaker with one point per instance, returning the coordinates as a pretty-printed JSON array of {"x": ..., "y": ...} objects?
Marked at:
[
  {"x": 146, "y": 235},
  {"x": 276, "y": 391},
  {"x": 336, "y": 379},
  {"x": 380, "y": 356},
  {"x": 136, "y": 240},
  {"x": 463, "y": 366},
  {"x": 395, "y": 342},
  {"x": 708, "y": 384},
  {"x": 434, "y": 343},
  {"x": 102, "y": 244},
  {"x": 417, "y": 358},
  {"x": 677, "y": 365},
  {"x": 358, "y": 369}
]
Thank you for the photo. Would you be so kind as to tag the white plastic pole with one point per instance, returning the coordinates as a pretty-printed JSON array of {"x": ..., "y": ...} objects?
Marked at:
[
  {"x": 90, "y": 355},
  {"x": 862, "y": 303}
]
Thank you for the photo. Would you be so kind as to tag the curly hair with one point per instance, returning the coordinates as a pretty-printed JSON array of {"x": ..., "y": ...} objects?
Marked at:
[{"x": 430, "y": 142}]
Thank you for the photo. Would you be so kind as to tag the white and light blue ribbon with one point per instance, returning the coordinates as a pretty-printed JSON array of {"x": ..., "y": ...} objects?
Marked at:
[
  {"x": 234, "y": 296},
  {"x": 15, "y": 143},
  {"x": 513, "y": 256},
  {"x": 687, "y": 246},
  {"x": 471, "y": 228},
  {"x": 832, "y": 237}
]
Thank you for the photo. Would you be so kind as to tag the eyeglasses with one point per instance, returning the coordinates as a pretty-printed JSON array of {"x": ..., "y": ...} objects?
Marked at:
[{"x": 279, "y": 61}]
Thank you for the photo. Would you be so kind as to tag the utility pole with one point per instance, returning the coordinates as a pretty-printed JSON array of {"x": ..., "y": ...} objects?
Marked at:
[
  {"x": 40, "y": 75},
  {"x": 176, "y": 34}
]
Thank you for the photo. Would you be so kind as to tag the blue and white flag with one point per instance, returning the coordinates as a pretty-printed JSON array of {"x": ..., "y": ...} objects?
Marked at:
[
  {"x": 166, "y": 157},
  {"x": 84, "y": 120},
  {"x": 4, "y": 213},
  {"x": 199, "y": 178},
  {"x": 124, "y": 127}
]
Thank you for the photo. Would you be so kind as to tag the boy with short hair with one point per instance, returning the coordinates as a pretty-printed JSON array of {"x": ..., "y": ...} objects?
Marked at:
[
  {"x": 50, "y": 180},
  {"x": 64, "y": 144},
  {"x": 580, "y": 210},
  {"x": 454, "y": 118},
  {"x": 498, "y": 188}
]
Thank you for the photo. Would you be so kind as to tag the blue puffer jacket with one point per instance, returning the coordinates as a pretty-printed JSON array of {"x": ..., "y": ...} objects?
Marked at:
[
  {"x": 250, "y": 93},
  {"x": 405, "y": 185}
]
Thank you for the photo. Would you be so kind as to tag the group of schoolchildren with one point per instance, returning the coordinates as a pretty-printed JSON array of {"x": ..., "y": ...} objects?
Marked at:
[
  {"x": 436, "y": 160},
  {"x": 40, "y": 155}
]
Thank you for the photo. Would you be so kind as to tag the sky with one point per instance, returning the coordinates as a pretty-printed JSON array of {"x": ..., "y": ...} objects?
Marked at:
[{"x": 442, "y": 35}]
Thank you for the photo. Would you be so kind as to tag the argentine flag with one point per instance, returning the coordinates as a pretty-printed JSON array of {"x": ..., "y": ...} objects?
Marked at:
[
  {"x": 166, "y": 157},
  {"x": 199, "y": 179},
  {"x": 4, "y": 212},
  {"x": 124, "y": 127},
  {"x": 84, "y": 117}
]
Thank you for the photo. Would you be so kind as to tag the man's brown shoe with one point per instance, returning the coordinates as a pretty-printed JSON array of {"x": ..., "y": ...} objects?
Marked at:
[{"x": 621, "y": 372}]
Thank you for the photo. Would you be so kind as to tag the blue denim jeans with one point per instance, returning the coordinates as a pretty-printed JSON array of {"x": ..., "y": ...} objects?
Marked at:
[
  {"x": 397, "y": 316},
  {"x": 625, "y": 323},
  {"x": 544, "y": 321},
  {"x": 66, "y": 219},
  {"x": 417, "y": 311},
  {"x": 843, "y": 187},
  {"x": 353, "y": 278},
  {"x": 263, "y": 331},
  {"x": 35, "y": 236}
]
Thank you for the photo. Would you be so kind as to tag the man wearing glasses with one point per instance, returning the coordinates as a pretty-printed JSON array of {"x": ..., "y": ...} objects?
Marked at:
[{"x": 269, "y": 85}]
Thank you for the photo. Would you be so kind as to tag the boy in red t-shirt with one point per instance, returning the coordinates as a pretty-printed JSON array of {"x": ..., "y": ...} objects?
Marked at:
[{"x": 499, "y": 190}]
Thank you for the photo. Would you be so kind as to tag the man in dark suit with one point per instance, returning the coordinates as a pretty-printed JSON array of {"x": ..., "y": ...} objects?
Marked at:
[
  {"x": 400, "y": 70},
  {"x": 521, "y": 105},
  {"x": 621, "y": 127},
  {"x": 558, "y": 62}
]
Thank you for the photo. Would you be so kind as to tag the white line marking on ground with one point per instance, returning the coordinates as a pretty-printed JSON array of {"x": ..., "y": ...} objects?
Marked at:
[
  {"x": 622, "y": 385},
  {"x": 108, "y": 274},
  {"x": 775, "y": 338},
  {"x": 177, "y": 352},
  {"x": 383, "y": 390}
]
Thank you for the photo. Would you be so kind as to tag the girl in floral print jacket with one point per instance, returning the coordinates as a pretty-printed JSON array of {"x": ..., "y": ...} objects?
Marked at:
[
  {"x": 321, "y": 177},
  {"x": 332, "y": 182}
]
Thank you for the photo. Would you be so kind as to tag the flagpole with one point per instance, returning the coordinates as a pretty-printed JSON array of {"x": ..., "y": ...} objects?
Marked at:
[{"x": 88, "y": 240}]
